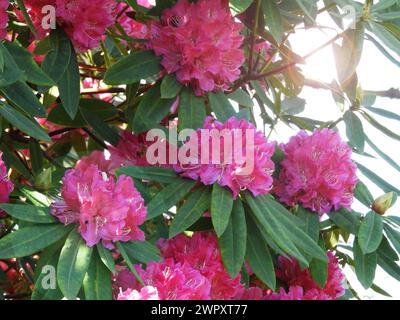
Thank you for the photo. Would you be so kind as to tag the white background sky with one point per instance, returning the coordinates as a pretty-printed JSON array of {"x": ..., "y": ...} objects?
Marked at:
[{"x": 375, "y": 73}]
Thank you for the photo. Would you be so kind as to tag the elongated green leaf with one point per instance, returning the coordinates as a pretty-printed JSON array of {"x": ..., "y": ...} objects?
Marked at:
[
  {"x": 69, "y": 86},
  {"x": 381, "y": 183},
  {"x": 169, "y": 197},
  {"x": 239, "y": 6},
  {"x": 170, "y": 87},
  {"x": 73, "y": 263},
  {"x": 151, "y": 110},
  {"x": 393, "y": 236},
  {"x": 380, "y": 127},
  {"x": 29, "y": 126},
  {"x": 29, "y": 240},
  {"x": 363, "y": 195},
  {"x": 106, "y": 257},
  {"x": 221, "y": 106},
  {"x": 57, "y": 60},
  {"x": 384, "y": 113},
  {"x": 354, "y": 130},
  {"x": 319, "y": 269},
  {"x": 28, "y": 212},
  {"x": 258, "y": 255},
  {"x": 273, "y": 19},
  {"x": 97, "y": 282},
  {"x": 232, "y": 243},
  {"x": 191, "y": 211},
  {"x": 142, "y": 251},
  {"x": 242, "y": 98},
  {"x": 25, "y": 62},
  {"x": 101, "y": 129},
  {"x": 192, "y": 111},
  {"x": 370, "y": 232},
  {"x": 348, "y": 221},
  {"x": 385, "y": 249},
  {"x": 10, "y": 73},
  {"x": 162, "y": 175},
  {"x": 383, "y": 155},
  {"x": 391, "y": 267},
  {"x": 365, "y": 265},
  {"x": 133, "y": 68},
  {"x": 387, "y": 37},
  {"x": 22, "y": 96},
  {"x": 311, "y": 220},
  {"x": 221, "y": 208}
]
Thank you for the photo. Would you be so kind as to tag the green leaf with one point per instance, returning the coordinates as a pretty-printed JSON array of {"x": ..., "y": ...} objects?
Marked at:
[
  {"x": 25, "y": 62},
  {"x": 311, "y": 220},
  {"x": 273, "y": 19},
  {"x": 106, "y": 257},
  {"x": 27, "y": 212},
  {"x": 319, "y": 269},
  {"x": 387, "y": 37},
  {"x": 393, "y": 236},
  {"x": 381, "y": 183},
  {"x": 101, "y": 129},
  {"x": 383, "y": 155},
  {"x": 346, "y": 220},
  {"x": 191, "y": 211},
  {"x": 170, "y": 87},
  {"x": 239, "y": 6},
  {"x": 379, "y": 126},
  {"x": 36, "y": 155},
  {"x": 169, "y": 197},
  {"x": 242, "y": 98},
  {"x": 162, "y": 175},
  {"x": 232, "y": 243},
  {"x": 133, "y": 68},
  {"x": 151, "y": 110},
  {"x": 192, "y": 110},
  {"x": 258, "y": 255},
  {"x": 74, "y": 261},
  {"x": 221, "y": 208},
  {"x": 10, "y": 73},
  {"x": 142, "y": 251},
  {"x": 384, "y": 113},
  {"x": 386, "y": 250},
  {"x": 370, "y": 232},
  {"x": 354, "y": 130},
  {"x": 69, "y": 86},
  {"x": 391, "y": 267},
  {"x": 221, "y": 106},
  {"x": 363, "y": 195},
  {"x": 29, "y": 240},
  {"x": 365, "y": 265},
  {"x": 30, "y": 127},
  {"x": 57, "y": 60},
  {"x": 97, "y": 282},
  {"x": 22, "y": 96}
]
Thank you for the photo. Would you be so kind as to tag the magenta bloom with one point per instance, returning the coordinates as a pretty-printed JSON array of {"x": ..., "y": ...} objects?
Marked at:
[
  {"x": 3, "y": 18},
  {"x": 200, "y": 43},
  {"x": 84, "y": 21},
  {"x": 6, "y": 186},
  {"x": 301, "y": 285},
  {"x": 201, "y": 252},
  {"x": 243, "y": 161},
  {"x": 146, "y": 293},
  {"x": 173, "y": 281},
  {"x": 106, "y": 210},
  {"x": 317, "y": 172}
]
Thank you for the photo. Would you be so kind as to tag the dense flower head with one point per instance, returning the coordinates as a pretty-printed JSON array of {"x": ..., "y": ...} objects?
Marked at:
[
  {"x": 173, "y": 281},
  {"x": 201, "y": 253},
  {"x": 84, "y": 21},
  {"x": 244, "y": 157},
  {"x": 146, "y": 293},
  {"x": 3, "y": 18},
  {"x": 106, "y": 210},
  {"x": 200, "y": 43},
  {"x": 317, "y": 172},
  {"x": 301, "y": 285},
  {"x": 6, "y": 186}
]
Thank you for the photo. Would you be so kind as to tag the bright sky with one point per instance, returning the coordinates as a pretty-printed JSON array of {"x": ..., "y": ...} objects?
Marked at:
[{"x": 375, "y": 73}]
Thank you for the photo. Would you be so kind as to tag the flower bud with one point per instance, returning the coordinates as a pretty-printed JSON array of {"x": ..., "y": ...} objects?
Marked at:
[{"x": 384, "y": 203}]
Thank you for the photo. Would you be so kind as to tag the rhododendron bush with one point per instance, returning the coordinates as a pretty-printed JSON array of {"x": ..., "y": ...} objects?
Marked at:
[{"x": 136, "y": 158}]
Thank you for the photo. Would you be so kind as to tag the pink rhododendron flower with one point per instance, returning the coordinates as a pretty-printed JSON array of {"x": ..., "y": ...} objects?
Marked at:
[
  {"x": 244, "y": 160},
  {"x": 84, "y": 21},
  {"x": 301, "y": 284},
  {"x": 6, "y": 186},
  {"x": 146, "y": 293},
  {"x": 106, "y": 210},
  {"x": 201, "y": 252},
  {"x": 3, "y": 18},
  {"x": 146, "y": 3},
  {"x": 174, "y": 281},
  {"x": 317, "y": 172},
  {"x": 200, "y": 43}
]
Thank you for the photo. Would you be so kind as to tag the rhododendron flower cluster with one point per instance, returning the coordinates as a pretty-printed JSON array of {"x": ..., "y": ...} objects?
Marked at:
[
  {"x": 246, "y": 166},
  {"x": 146, "y": 293},
  {"x": 301, "y": 285},
  {"x": 200, "y": 43},
  {"x": 317, "y": 172},
  {"x": 6, "y": 186},
  {"x": 84, "y": 21},
  {"x": 3, "y": 18},
  {"x": 106, "y": 210}
]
